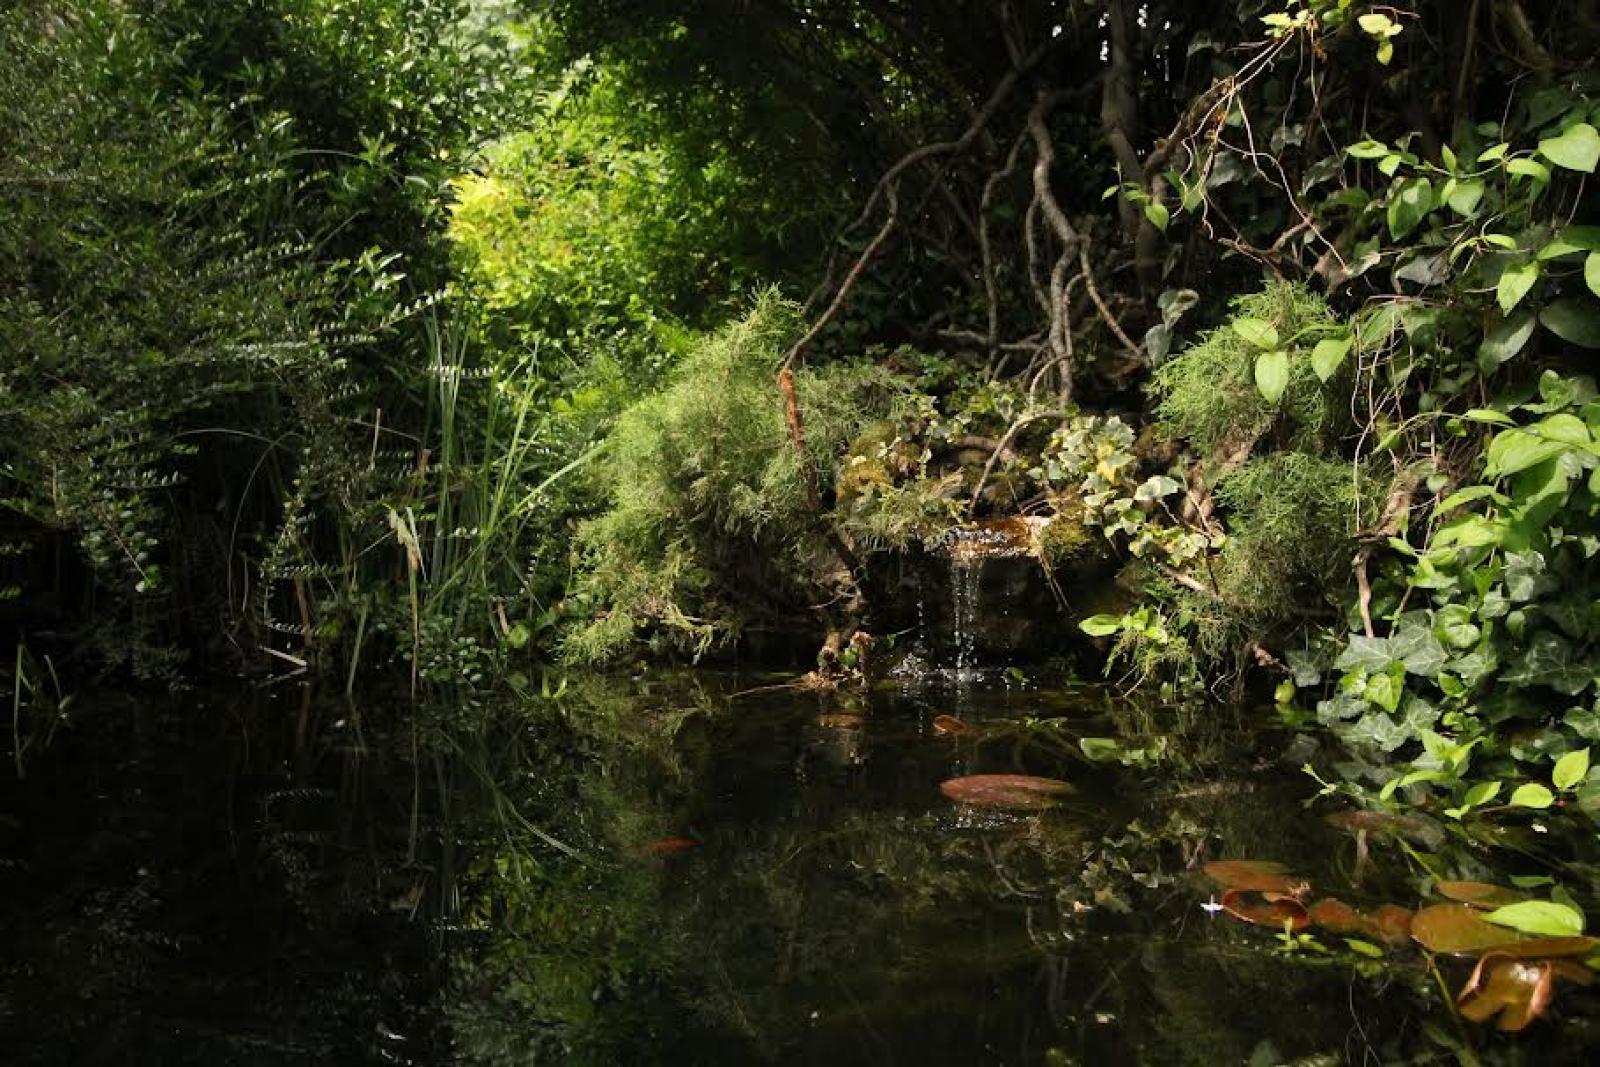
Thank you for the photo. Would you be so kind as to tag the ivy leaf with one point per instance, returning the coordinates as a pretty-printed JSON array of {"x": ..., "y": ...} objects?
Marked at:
[
  {"x": 1571, "y": 769},
  {"x": 1329, "y": 354},
  {"x": 1575, "y": 148},
  {"x": 1515, "y": 281},
  {"x": 1506, "y": 339},
  {"x": 1272, "y": 374},
  {"x": 1155, "y": 488},
  {"x": 1575, "y": 320},
  {"x": 1550, "y": 661},
  {"x": 1407, "y": 206},
  {"x": 1544, "y": 918},
  {"x": 1258, "y": 332},
  {"x": 1532, "y": 795}
]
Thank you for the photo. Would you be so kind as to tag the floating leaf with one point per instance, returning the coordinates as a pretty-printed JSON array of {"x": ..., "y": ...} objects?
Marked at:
[
  {"x": 1544, "y": 918},
  {"x": 1272, "y": 374},
  {"x": 1257, "y": 332},
  {"x": 1412, "y": 827},
  {"x": 1018, "y": 792},
  {"x": 1259, "y": 875},
  {"x": 949, "y": 726},
  {"x": 1276, "y": 910},
  {"x": 1480, "y": 894},
  {"x": 1456, "y": 929},
  {"x": 1393, "y": 922},
  {"x": 1575, "y": 148},
  {"x": 667, "y": 846}
]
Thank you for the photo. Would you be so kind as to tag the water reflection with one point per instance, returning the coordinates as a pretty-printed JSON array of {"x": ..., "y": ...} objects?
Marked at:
[{"x": 692, "y": 869}]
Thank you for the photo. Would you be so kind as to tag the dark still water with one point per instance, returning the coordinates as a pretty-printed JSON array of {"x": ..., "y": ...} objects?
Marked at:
[{"x": 680, "y": 870}]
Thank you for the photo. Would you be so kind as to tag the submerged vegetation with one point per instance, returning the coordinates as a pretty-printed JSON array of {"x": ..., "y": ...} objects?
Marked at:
[{"x": 482, "y": 343}]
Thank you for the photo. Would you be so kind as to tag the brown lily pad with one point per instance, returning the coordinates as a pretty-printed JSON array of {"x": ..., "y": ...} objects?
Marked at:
[
  {"x": 949, "y": 726},
  {"x": 1515, "y": 991},
  {"x": 1392, "y": 922},
  {"x": 1266, "y": 909},
  {"x": 1458, "y": 930},
  {"x": 1478, "y": 894},
  {"x": 1261, "y": 876},
  {"x": 1410, "y": 827},
  {"x": 841, "y": 720},
  {"x": 1388, "y": 922},
  {"x": 1017, "y": 792}
]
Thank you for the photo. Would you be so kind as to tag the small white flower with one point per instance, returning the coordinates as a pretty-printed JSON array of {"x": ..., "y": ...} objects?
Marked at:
[{"x": 1211, "y": 906}]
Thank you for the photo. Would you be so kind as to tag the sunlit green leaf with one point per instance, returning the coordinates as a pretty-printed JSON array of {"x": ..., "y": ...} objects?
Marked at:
[
  {"x": 1575, "y": 148},
  {"x": 1515, "y": 281},
  {"x": 1272, "y": 374},
  {"x": 1532, "y": 795},
  {"x": 1546, "y": 918},
  {"x": 1257, "y": 332},
  {"x": 1571, "y": 769},
  {"x": 1329, "y": 354}
]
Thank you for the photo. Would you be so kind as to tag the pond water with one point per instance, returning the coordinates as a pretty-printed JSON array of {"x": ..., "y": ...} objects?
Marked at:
[{"x": 694, "y": 868}]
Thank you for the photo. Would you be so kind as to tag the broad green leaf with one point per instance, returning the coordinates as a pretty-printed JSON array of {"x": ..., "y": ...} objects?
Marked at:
[
  {"x": 1258, "y": 332},
  {"x": 1272, "y": 374},
  {"x": 1481, "y": 794},
  {"x": 1591, "y": 272},
  {"x": 1158, "y": 215},
  {"x": 1464, "y": 198},
  {"x": 1489, "y": 155},
  {"x": 1571, "y": 769},
  {"x": 1544, "y": 918},
  {"x": 1575, "y": 148},
  {"x": 1101, "y": 625},
  {"x": 1575, "y": 319},
  {"x": 1563, "y": 427},
  {"x": 1570, "y": 240},
  {"x": 1100, "y": 749},
  {"x": 1155, "y": 488},
  {"x": 1529, "y": 168},
  {"x": 1515, "y": 281},
  {"x": 1499, "y": 418},
  {"x": 1517, "y": 450},
  {"x": 1465, "y": 496},
  {"x": 1506, "y": 339},
  {"x": 1407, "y": 206},
  {"x": 1329, "y": 354},
  {"x": 1532, "y": 795}
]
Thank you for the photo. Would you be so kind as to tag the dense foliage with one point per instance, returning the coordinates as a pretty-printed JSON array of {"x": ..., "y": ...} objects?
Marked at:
[{"x": 472, "y": 338}]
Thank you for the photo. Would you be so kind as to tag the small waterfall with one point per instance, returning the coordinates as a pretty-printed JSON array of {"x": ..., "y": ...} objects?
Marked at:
[
  {"x": 968, "y": 549},
  {"x": 965, "y": 572}
]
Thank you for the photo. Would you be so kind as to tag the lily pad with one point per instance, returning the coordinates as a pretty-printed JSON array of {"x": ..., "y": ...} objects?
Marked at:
[
  {"x": 1410, "y": 827},
  {"x": 1017, "y": 792},
  {"x": 1262, "y": 876},
  {"x": 949, "y": 726},
  {"x": 1455, "y": 929},
  {"x": 1388, "y": 922},
  {"x": 1478, "y": 894},
  {"x": 1266, "y": 909}
]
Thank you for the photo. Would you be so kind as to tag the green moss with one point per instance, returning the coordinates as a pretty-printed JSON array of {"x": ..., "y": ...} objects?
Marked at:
[
  {"x": 708, "y": 501},
  {"x": 1208, "y": 396}
]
